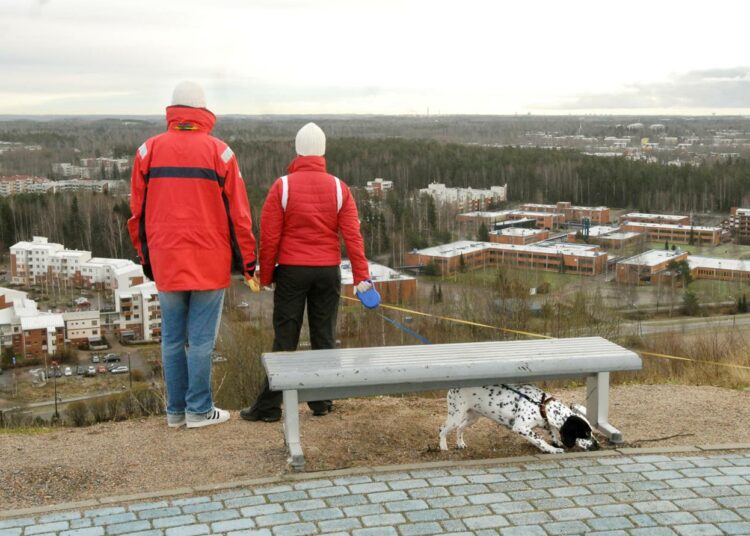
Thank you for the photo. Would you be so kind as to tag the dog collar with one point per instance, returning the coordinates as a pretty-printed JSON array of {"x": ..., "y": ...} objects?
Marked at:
[{"x": 543, "y": 405}]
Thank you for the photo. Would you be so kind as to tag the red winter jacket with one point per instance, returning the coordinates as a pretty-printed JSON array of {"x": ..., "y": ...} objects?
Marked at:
[
  {"x": 306, "y": 233},
  {"x": 191, "y": 219}
]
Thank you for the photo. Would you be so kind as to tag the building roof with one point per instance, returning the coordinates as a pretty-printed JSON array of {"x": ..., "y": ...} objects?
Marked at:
[
  {"x": 653, "y": 257},
  {"x": 486, "y": 214},
  {"x": 12, "y": 295},
  {"x": 649, "y": 225},
  {"x": 718, "y": 263},
  {"x": 518, "y": 231},
  {"x": 667, "y": 217},
  {"x": 147, "y": 289},
  {"x": 536, "y": 213},
  {"x": 460, "y": 247},
  {"x": 574, "y": 207},
  {"x": 80, "y": 315},
  {"x": 42, "y": 321},
  {"x": 378, "y": 272}
]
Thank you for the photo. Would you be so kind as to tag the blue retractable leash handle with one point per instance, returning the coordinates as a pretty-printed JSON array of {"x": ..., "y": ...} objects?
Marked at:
[{"x": 370, "y": 298}]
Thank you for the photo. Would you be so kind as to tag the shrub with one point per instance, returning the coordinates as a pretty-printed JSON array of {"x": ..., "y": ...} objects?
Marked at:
[{"x": 77, "y": 413}]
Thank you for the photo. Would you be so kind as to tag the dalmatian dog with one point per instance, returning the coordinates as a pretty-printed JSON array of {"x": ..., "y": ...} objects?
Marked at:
[{"x": 521, "y": 408}]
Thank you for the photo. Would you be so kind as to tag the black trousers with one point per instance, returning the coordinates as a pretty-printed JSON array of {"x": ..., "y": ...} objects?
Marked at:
[{"x": 318, "y": 288}]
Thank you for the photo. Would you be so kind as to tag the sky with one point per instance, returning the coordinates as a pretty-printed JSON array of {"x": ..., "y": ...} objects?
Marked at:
[{"x": 376, "y": 57}]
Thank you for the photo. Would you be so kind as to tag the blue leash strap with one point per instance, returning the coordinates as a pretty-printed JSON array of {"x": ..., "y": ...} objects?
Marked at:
[{"x": 400, "y": 326}]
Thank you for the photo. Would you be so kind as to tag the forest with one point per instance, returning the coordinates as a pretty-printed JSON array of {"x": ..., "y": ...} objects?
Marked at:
[{"x": 360, "y": 149}]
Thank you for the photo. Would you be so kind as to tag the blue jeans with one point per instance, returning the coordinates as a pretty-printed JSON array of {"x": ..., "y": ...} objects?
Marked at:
[{"x": 192, "y": 318}]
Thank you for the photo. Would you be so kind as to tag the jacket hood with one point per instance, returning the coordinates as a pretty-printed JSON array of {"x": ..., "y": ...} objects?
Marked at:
[
  {"x": 308, "y": 163},
  {"x": 187, "y": 118}
]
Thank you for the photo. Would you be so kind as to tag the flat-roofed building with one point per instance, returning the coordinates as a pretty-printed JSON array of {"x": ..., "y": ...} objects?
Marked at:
[
  {"x": 608, "y": 237},
  {"x": 672, "y": 219},
  {"x": 597, "y": 215},
  {"x": 393, "y": 286},
  {"x": 644, "y": 267},
  {"x": 544, "y": 220},
  {"x": 719, "y": 269},
  {"x": 518, "y": 236},
  {"x": 466, "y": 255},
  {"x": 466, "y": 199},
  {"x": 678, "y": 234},
  {"x": 739, "y": 224},
  {"x": 470, "y": 222},
  {"x": 138, "y": 313},
  {"x": 379, "y": 187},
  {"x": 41, "y": 334},
  {"x": 82, "y": 327}
]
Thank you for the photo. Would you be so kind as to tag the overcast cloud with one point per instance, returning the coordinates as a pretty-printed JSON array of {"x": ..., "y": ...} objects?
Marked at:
[{"x": 390, "y": 56}]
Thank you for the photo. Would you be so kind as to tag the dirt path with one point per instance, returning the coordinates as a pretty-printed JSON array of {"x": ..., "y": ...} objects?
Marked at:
[{"x": 138, "y": 456}]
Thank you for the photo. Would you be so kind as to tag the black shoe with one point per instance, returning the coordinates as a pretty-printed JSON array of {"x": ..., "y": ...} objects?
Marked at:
[
  {"x": 321, "y": 407},
  {"x": 254, "y": 414}
]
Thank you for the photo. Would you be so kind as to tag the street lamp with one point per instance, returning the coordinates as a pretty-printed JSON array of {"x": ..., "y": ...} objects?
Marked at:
[{"x": 55, "y": 368}]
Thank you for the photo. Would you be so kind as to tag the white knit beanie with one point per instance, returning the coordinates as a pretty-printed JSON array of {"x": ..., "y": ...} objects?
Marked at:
[
  {"x": 189, "y": 93},
  {"x": 311, "y": 141}
]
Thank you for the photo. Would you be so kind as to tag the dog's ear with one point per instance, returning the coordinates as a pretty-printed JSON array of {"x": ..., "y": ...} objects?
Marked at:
[{"x": 574, "y": 427}]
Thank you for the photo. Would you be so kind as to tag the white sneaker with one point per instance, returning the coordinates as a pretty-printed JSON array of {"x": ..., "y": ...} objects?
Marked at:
[
  {"x": 215, "y": 416},
  {"x": 175, "y": 421}
]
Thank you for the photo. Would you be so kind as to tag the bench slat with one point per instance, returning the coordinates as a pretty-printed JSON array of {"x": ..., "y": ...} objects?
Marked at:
[{"x": 445, "y": 364}]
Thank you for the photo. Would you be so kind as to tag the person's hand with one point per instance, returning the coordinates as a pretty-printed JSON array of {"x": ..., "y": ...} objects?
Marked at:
[
  {"x": 362, "y": 286},
  {"x": 252, "y": 282}
]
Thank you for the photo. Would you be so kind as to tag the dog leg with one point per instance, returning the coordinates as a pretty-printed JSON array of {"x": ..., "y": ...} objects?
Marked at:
[
  {"x": 556, "y": 440},
  {"x": 456, "y": 414},
  {"x": 470, "y": 417},
  {"x": 536, "y": 440}
]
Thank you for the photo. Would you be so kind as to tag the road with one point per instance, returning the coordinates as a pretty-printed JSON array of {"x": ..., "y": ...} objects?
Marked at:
[{"x": 688, "y": 325}]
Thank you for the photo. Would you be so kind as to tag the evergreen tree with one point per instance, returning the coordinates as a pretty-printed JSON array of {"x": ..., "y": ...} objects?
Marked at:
[
  {"x": 483, "y": 235},
  {"x": 690, "y": 303}
]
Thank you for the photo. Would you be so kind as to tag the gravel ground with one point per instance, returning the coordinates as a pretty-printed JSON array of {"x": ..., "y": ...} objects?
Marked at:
[{"x": 144, "y": 455}]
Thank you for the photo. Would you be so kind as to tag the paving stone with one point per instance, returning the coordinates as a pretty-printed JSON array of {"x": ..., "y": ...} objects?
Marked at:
[
  {"x": 295, "y": 529},
  {"x": 565, "y": 527},
  {"x": 571, "y": 514},
  {"x": 107, "y": 511},
  {"x": 11, "y": 531},
  {"x": 552, "y": 504},
  {"x": 369, "y": 487},
  {"x": 486, "y": 498},
  {"x": 511, "y": 507},
  {"x": 282, "y": 518},
  {"x": 701, "y": 472},
  {"x": 428, "y": 473},
  {"x": 585, "y": 480},
  {"x": 376, "y": 531},
  {"x": 448, "y": 481},
  {"x": 655, "y": 506},
  {"x": 47, "y": 527},
  {"x": 403, "y": 506},
  {"x": 562, "y": 472},
  {"x": 741, "y": 501},
  {"x": 408, "y": 484},
  {"x": 17, "y": 522},
  {"x": 312, "y": 484},
  {"x": 610, "y": 523},
  {"x": 159, "y": 512},
  {"x": 363, "y": 510},
  {"x": 446, "y": 502},
  {"x": 321, "y": 514},
  {"x": 486, "y": 478},
  {"x": 80, "y": 523},
  {"x": 610, "y": 510},
  {"x": 529, "y": 518},
  {"x": 189, "y": 530},
  {"x": 546, "y": 483},
  {"x": 634, "y": 496},
  {"x": 420, "y": 528},
  {"x": 686, "y": 482},
  {"x": 218, "y": 515},
  {"x": 419, "y": 516},
  {"x": 59, "y": 516},
  {"x": 147, "y": 506},
  {"x": 468, "y": 489},
  {"x": 649, "y": 485},
  {"x": 126, "y": 528},
  {"x": 735, "y": 528},
  {"x": 233, "y": 524},
  {"x": 726, "y": 480},
  {"x": 387, "y": 477},
  {"x": 569, "y": 491},
  {"x": 383, "y": 520},
  {"x": 261, "y": 532},
  {"x": 284, "y": 496},
  {"x": 308, "y": 504},
  {"x": 261, "y": 509},
  {"x": 674, "y": 465},
  {"x": 529, "y": 530},
  {"x": 674, "y": 518},
  {"x": 90, "y": 531},
  {"x": 715, "y": 491},
  {"x": 352, "y": 479},
  {"x": 238, "y": 502},
  {"x": 190, "y": 500},
  {"x": 485, "y": 522},
  {"x": 508, "y": 486},
  {"x": 653, "y": 531},
  {"x": 469, "y": 511},
  {"x": 174, "y": 521},
  {"x": 387, "y": 496},
  {"x": 525, "y": 475},
  {"x": 112, "y": 519},
  {"x": 346, "y": 500},
  {"x": 453, "y": 525},
  {"x": 339, "y": 524},
  {"x": 593, "y": 500},
  {"x": 529, "y": 494},
  {"x": 698, "y": 530},
  {"x": 428, "y": 493},
  {"x": 717, "y": 516},
  {"x": 670, "y": 494}
]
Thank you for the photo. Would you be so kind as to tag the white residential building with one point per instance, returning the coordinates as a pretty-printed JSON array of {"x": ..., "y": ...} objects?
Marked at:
[
  {"x": 139, "y": 313},
  {"x": 40, "y": 261},
  {"x": 379, "y": 187},
  {"x": 466, "y": 199},
  {"x": 82, "y": 326}
]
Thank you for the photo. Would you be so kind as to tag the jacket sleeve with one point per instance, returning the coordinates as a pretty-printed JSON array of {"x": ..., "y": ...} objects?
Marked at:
[
  {"x": 349, "y": 228},
  {"x": 137, "y": 200},
  {"x": 238, "y": 213},
  {"x": 271, "y": 228}
]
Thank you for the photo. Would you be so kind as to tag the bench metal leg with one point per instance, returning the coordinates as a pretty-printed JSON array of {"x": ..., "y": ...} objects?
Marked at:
[
  {"x": 291, "y": 430},
  {"x": 597, "y": 406}
]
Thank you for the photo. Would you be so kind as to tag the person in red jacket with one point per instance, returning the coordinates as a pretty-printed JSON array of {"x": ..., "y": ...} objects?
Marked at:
[
  {"x": 303, "y": 215},
  {"x": 190, "y": 226}
]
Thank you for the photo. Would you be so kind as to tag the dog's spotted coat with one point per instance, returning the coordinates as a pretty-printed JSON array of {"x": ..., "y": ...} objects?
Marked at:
[{"x": 518, "y": 413}]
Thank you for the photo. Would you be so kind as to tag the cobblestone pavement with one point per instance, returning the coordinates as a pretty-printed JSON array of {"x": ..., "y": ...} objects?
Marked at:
[{"x": 695, "y": 493}]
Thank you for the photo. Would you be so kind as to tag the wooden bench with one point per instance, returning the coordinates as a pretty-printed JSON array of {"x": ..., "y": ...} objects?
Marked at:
[{"x": 344, "y": 373}]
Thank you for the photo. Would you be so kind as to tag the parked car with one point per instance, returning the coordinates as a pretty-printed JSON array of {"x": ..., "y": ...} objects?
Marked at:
[
  {"x": 80, "y": 370},
  {"x": 56, "y": 372},
  {"x": 68, "y": 371},
  {"x": 91, "y": 371},
  {"x": 94, "y": 358},
  {"x": 122, "y": 369},
  {"x": 101, "y": 369},
  {"x": 112, "y": 358},
  {"x": 216, "y": 357}
]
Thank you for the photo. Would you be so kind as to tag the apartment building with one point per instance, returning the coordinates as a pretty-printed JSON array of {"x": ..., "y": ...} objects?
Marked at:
[
  {"x": 597, "y": 215},
  {"x": 82, "y": 327},
  {"x": 19, "y": 184},
  {"x": 466, "y": 255},
  {"x": 393, "y": 286},
  {"x": 671, "y": 219},
  {"x": 138, "y": 313},
  {"x": 40, "y": 335},
  {"x": 646, "y": 266},
  {"x": 518, "y": 236},
  {"x": 14, "y": 304},
  {"x": 739, "y": 224},
  {"x": 43, "y": 262},
  {"x": 379, "y": 188},
  {"x": 466, "y": 199},
  {"x": 676, "y": 234}
]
